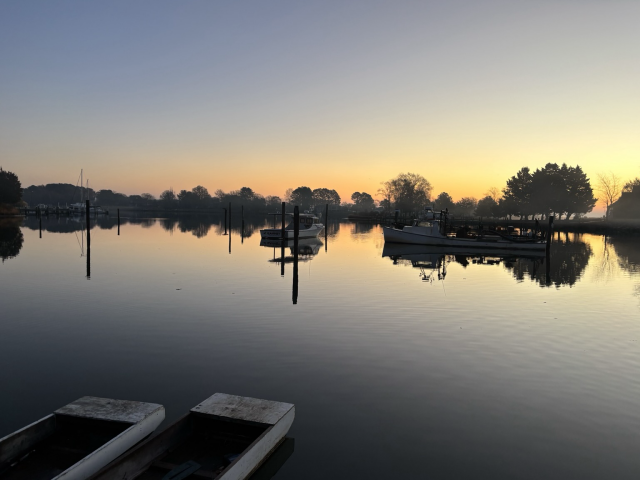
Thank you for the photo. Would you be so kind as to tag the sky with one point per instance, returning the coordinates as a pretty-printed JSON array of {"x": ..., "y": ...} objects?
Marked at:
[{"x": 272, "y": 95}]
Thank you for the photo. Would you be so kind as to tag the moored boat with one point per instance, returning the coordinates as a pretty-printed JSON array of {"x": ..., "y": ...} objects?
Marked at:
[
  {"x": 78, "y": 439},
  {"x": 434, "y": 233},
  {"x": 225, "y": 437},
  {"x": 309, "y": 227}
]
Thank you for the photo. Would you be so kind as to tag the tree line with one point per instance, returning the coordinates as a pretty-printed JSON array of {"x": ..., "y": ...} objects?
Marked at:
[{"x": 562, "y": 190}]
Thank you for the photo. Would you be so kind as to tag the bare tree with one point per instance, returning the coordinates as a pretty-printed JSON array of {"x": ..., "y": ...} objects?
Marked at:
[
  {"x": 494, "y": 193},
  {"x": 610, "y": 186}
]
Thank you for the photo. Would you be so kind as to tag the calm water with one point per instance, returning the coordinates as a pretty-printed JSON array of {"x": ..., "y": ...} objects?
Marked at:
[{"x": 419, "y": 365}]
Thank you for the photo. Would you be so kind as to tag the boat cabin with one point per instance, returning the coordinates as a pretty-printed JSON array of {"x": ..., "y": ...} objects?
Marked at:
[{"x": 306, "y": 221}]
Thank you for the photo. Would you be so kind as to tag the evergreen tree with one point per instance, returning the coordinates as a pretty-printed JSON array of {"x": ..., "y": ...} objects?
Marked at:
[{"x": 10, "y": 187}]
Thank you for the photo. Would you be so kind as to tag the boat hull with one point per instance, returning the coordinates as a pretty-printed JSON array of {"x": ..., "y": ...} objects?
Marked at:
[
  {"x": 41, "y": 450},
  {"x": 276, "y": 233},
  {"x": 395, "y": 235},
  {"x": 248, "y": 427}
]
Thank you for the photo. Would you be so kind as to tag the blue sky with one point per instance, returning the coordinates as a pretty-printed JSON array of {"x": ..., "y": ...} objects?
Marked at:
[{"x": 146, "y": 95}]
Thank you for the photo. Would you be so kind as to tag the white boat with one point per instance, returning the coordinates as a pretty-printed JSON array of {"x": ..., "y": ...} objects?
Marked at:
[
  {"x": 431, "y": 233},
  {"x": 80, "y": 208},
  {"x": 309, "y": 227},
  {"x": 226, "y": 437},
  {"x": 78, "y": 439}
]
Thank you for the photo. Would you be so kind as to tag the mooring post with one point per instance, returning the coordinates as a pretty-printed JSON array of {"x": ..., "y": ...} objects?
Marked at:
[
  {"x": 40, "y": 227},
  {"x": 225, "y": 221},
  {"x": 118, "y": 221},
  {"x": 549, "y": 234},
  {"x": 326, "y": 225},
  {"x": 88, "y": 216},
  {"x": 283, "y": 214},
  {"x": 242, "y": 223},
  {"x": 296, "y": 232},
  {"x": 229, "y": 227}
]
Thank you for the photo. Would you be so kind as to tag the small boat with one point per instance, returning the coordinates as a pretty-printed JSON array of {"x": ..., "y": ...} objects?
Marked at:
[
  {"x": 225, "y": 437},
  {"x": 81, "y": 208},
  {"x": 433, "y": 232},
  {"x": 78, "y": 439},
  {"x": 309, "y": 227}
]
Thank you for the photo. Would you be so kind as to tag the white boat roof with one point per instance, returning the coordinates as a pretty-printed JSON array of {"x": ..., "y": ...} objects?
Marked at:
[
  {"x": 109, "y": 409},
  {"x": 243, "y": 408}
]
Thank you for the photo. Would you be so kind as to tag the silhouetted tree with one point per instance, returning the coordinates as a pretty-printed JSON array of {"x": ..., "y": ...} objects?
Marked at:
[
  {"x": 580, "y": 193},
  {"x": 465, "y": 206},
  {"x": 272, "y": 201},
  {"x": 561, "y": 190},
  {"x": 10, "y": 187},
  {"x": 610, "y": 186},
  {"x": 302, "y": 196},
  {"x": 168, "y": 195},
  {"x": 444, "y": 202},
  {"x": 363, "y": 201},
  {"x": 518, "y": 193},
  {"x": 486, "y": 207},
  {"x": 494, "y": 193},
  {"x": 322, "y": 196},
  {"x": 408, "y": 191},
  {"x": 631, "y": 185},
  {"x": 187, "y": 199},
  {"x": 111, "y": 198},
  {"x": 201, "y": 193}
]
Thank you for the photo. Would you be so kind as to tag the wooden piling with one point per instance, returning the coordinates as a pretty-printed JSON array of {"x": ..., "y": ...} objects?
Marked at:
[
  {"x": 40, "y": 227},
  {"x": 225, "y": 221},
  {"x": 241, "y": 223},
  {"x": 548, "y": 250},
  {"x": 118, "y": 221},
  {"x": 283, "y": 234},
  {"x": 88, "y": 216},
  {"x": 296, "y": 232},
  {"x": 326, "y": 225},
  {"x": 549, "y": 234}
]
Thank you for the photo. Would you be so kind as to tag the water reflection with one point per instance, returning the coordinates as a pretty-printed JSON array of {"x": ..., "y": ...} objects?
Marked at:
[
  {"x": 307, "y": 249},
  {"x": 570, "y": 256},
  {"x": 198, "y": 225},
  {"x": 302, "y": 250},
  {"x": 627, "y": 252},
  {"x": 11, "y": 238},
  {"x": 628, "y": 255}
]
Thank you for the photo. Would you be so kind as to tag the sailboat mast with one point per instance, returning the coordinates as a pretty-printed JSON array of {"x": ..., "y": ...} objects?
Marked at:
[{"x": 81, "y": 185}]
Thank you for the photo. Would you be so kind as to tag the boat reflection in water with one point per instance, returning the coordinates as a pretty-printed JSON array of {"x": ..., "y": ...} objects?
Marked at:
[
  {"x": 307, "y": 249},
  {"x": 302, "y": 250},
  {"x": 433, "y": 260}
]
